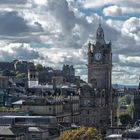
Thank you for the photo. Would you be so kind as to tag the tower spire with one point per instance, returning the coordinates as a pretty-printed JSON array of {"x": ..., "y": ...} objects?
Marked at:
[
  {"x": 100, "y": 22},
  {"x": 139, "y": 82},
  {"x": 100, "y": 34}
]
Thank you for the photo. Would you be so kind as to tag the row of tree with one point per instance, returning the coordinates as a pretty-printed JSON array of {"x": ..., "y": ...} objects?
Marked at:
[
  {"x": 83, "y": 133},
  {"x": 126, "y": 116}
]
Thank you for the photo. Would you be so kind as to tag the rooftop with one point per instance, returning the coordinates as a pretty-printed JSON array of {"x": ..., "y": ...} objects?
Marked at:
[{"x": 32, "y": 117}]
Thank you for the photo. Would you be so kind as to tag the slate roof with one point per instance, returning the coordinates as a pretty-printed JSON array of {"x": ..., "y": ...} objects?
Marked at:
[{"x": 9, "y": 131}]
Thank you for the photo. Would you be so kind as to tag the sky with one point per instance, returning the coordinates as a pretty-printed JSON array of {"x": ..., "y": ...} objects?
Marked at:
[{"x": 56, "y": 32}]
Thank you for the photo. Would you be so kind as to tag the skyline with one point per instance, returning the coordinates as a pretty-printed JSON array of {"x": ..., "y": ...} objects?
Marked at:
[{"x": 54, "y": 33}]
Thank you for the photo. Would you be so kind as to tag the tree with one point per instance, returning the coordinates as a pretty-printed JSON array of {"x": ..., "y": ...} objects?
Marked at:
[
  {"x": 128, "y": 99},
  {"x": 8, "y": 73},
  {"x": 83, "y": 133},
  {"x": 39, "y": 67},
  {"x": 20, "y": 75},
  {"x": 122, "y": 101},
  {"x": 125, "y": 118}
]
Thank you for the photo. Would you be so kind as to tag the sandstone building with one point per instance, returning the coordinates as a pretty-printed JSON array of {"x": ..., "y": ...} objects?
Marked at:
[{"x": 96, "y": 108}]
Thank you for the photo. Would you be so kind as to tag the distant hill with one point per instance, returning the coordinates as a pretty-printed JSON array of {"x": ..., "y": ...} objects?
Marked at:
[{"x": 119, "y": 86}]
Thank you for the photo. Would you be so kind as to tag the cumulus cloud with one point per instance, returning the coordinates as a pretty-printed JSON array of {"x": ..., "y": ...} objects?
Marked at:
[
  {"x": 18, "y": 51},
  {"x": 61, "y": 12},
  {"x": 13, "y": 1},
  {"x": 116, "y": 10},
  {"x": 125, "y": 75},
  {"x": 12, "y": 24},
  {"x": 131, "y": 27},
  {"x": 112, "y": 11},
  {"x": 100, "y": 3},
  {"x": 62, "y": 29},
  {"x": 59, "y": 56}
]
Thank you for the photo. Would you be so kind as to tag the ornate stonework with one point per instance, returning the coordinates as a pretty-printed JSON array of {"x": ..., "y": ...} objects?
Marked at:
[
  {"x": 95, "y": 98},
  {"x": 100, "y": 61}
]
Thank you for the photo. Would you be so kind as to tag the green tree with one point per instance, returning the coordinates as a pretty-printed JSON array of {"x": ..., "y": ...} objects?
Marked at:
[
  {"x": 130, "y": 109},
  {"x": 128, "y": 99},
  {"x": 125, "y": 118},
  {"x": 8, "y": 73},
  {"x": 122, "y": 100},
  {"x": 39, "y": 67},
  {"x": 20, "y": 75},
  {"x": 85, "y": 133}
]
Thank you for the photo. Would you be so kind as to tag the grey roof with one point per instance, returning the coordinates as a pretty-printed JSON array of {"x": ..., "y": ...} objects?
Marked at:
[
  {"x": 19, "y": 102},
  {"x": 49, "y": 117},
  {"x": 34, "y": 129},
  {"x": 8, "y": 131}
]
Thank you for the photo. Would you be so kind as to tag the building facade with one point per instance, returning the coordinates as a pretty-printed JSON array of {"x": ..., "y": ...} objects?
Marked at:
[
  {"x": 96, "y": 97},
  {"x": 100, "y": 62}
]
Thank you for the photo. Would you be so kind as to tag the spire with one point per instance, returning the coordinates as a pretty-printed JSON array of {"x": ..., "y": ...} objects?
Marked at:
[
  {"x": 100, "y": 35},
  {"x": 100, "y": 25},
  {"x": 139, "y": 83},
  {"x": 99, "y": 22}
]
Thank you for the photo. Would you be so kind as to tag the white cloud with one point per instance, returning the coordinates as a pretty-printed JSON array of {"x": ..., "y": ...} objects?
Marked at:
[
  {"x": 101, "y": 3},
  {"x": 18, "y": 51},
  {"x": 125, "y": 75},
  {"x": 116, "y": 10},
  {"x": 112, "y": 11},
  {"x": 129, "y": 59},
  {"x": 131, "y": 27},
  {"x": 40, "y": 2},
  {"x": 62, "y": 28}
]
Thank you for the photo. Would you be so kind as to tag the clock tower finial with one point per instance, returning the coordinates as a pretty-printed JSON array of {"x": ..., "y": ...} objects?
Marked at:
[{"x": 100, "y": 35}]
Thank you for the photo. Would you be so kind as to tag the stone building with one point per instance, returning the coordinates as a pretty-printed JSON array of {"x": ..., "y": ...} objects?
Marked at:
[
  {"x": 28, "y": 128},
  {"x": 94, "y": 110},
  {"x": 62, "y": 102},
  {"x": 32, "y": 77},
  {"x": 137, "y": 105},
  {"x": 96, "y": 97}
]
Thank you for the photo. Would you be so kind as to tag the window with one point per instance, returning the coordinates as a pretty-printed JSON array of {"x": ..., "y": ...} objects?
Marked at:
[
  {"x": 50, "y": 109},
  {"x": 34, "y": 137}
]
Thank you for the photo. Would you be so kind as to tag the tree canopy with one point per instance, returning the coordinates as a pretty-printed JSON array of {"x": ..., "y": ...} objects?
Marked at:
[
  {"x": 8, "y": 73},
  {"x": 83, "y": 133},
  {"x": 39, "y": 67},
  {"x": 20, "y": 75},
  {"x": 125, "y": 118}
]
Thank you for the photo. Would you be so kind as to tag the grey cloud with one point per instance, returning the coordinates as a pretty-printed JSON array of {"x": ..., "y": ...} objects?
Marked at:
[
  {"x": 60, "y": 10},
  {"x": 13, "y": 1},
  {"x": 12, "y": 24},
  {"x": 36, "y": 27},
  {"x": 19, "y": 52},
  {"x": 130, "y": 64},
  {"x": 25, "y": 53}
]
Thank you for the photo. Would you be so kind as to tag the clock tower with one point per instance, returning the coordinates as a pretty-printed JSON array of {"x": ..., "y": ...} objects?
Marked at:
[
  {"x": 97, "y": 106},
  {"x": 100, "y": 62}
]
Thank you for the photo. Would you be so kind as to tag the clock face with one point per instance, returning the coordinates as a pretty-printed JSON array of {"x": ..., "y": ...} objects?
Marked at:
[{"x": 98, "y": 56}]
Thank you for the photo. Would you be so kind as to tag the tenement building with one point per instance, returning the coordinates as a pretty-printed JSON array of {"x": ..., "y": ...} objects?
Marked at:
[
  {"x": 136, "y": 115},
  {"x": 96, "y": 97}
]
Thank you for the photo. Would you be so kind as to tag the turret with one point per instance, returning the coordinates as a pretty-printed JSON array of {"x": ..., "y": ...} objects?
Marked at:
[{"x": 32, "y": 78}]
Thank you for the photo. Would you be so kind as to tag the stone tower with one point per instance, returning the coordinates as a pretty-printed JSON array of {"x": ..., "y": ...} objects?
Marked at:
[
  {"x": 96, "y": 97},
  {"x": 100, "y": 62},
  {"x": 32, "y": 78}
]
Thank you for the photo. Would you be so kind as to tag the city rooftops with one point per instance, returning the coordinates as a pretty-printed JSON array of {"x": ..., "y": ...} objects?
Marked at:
[
  {"x": 9, "y": 131},
  {"x": 114, "y": 136},
  {"x": 32, "y": 117},
  {"x": 28, "y": 120}
]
